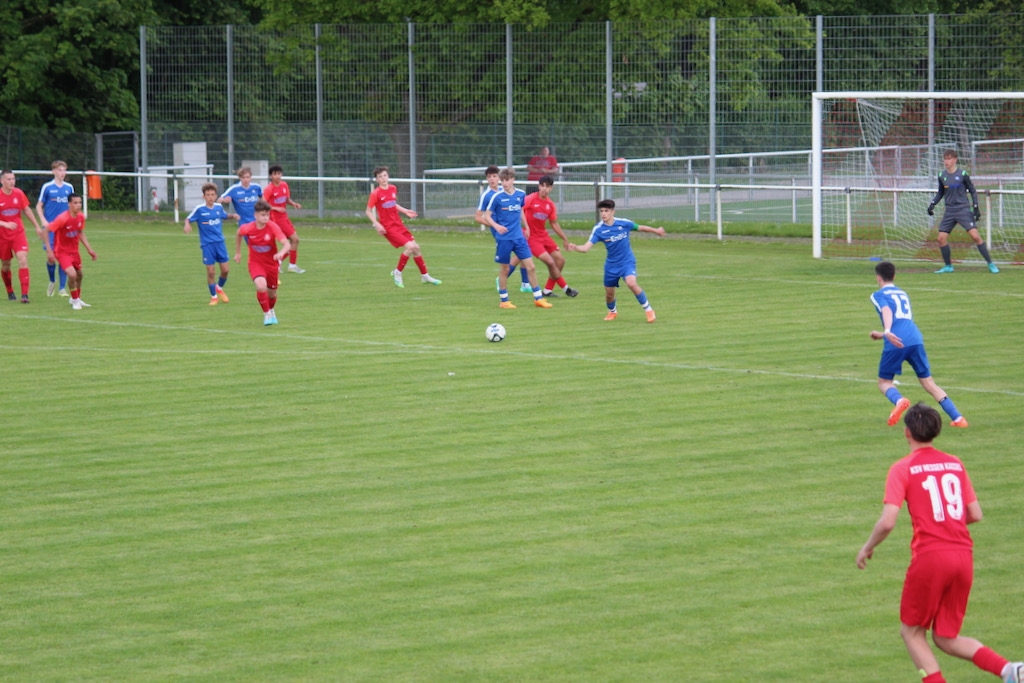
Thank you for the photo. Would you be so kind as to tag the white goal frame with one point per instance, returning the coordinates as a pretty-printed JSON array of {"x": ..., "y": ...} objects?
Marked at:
[{"x": 817, "y": 100}]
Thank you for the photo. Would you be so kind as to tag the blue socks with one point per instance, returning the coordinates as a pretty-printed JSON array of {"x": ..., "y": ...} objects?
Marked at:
[
  {"x": 894, "y": 395},
  {"x": 950, "y": 409}
]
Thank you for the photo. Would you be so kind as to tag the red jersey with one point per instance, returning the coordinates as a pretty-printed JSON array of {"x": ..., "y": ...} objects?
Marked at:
[
  {"x": 11, "y": 206},
  {"x": 385, "y": 200},
  {"x": 537, "y": 212},
  {"x": 548, "y": 163},
  {"x": 69, "y": 230},
  {"x": 938, "y": 491},
  {"x": 277, "y": 196},
  {"x": 263, "y": 243}
]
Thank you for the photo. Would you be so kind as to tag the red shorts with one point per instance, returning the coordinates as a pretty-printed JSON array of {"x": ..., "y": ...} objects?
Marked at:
[
  {"x": 264, "y": 270},
  {"x": 11, "y": 242},
  {"x": 399, "y": 237},
  {"x": 936, "y": 590},
  {"x": 539, "y": 244},
  {"x": 69, "y": 260},
  {"x": 285, "y": 224}
]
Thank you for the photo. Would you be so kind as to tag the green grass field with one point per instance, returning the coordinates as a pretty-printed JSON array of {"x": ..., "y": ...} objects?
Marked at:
[{"x": 370, "y": 491}]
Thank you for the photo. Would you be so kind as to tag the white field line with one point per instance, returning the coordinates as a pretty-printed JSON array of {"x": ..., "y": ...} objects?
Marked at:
[{"x": 376, "y": 348}]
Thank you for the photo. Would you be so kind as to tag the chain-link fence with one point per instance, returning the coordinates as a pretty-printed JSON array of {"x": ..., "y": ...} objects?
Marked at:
[{"x": 339, "y": 100}]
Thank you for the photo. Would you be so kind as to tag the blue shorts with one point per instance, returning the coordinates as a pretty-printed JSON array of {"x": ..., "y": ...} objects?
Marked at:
[
  {"x": 892, "y": 361},
  {"x": 505, "y": 249},
  {"x": 612, "y": 277},
  {"x": 215, "y": 252}
]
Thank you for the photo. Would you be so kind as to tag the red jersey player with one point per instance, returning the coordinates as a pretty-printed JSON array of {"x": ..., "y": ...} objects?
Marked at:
[
  {"x": 13, "y": 242},
  {"x": 537, "y": 211},
  {"x": 383, "y": 210},
  {"x": 279, "y": 196},
  {"x": 941, "y": 502},
  {"x": 69, "y": 230},
  {"x": 264, "y": 257}
]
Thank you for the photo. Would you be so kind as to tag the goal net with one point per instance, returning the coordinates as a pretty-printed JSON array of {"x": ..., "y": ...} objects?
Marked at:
[{"x": 876, "y": 157}]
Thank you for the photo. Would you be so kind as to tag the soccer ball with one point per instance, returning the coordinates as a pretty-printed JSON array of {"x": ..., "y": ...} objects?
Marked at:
[{"x": 495, "y": 332}]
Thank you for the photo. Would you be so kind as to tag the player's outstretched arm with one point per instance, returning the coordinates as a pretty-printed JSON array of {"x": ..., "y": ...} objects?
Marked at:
[
  {"x": 581, "y": 248},
  {"x": 646, "y": 228},
  {"x": 408, "y": 213}
]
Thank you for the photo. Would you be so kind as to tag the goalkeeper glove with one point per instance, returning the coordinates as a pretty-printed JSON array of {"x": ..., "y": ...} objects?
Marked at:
[
  {"x": 931, "y": 209},
  {"x": 977, "y": 214}
]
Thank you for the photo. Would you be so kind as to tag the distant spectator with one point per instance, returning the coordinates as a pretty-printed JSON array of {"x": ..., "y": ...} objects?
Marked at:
[{"x": 541, "y": 165}]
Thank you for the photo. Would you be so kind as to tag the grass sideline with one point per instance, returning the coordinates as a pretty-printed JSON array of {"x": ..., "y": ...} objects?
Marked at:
[{"x": 372, "y": 492}]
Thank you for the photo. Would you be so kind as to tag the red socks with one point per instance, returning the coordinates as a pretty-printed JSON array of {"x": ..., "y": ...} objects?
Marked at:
[
  {"x": 421, "y": 264},
  {"x": 989, "y": 660},
  {"x": 7, "y": 281},
  {"x": 75, "y": 293},
  {"x": 23, "y": 278},
  {"x": 293, "y": 255},
  {"x": 934, "y": 678},
  {"x": 264, "y": 299},
  {"x": 402, "y": 260}
]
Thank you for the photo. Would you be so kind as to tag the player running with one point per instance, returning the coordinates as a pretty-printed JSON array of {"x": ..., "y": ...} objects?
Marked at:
[
  {"x": 279, "y": 196},
  {"x": 263, "y": 236},
  {"x": 504, "y": 215},
  {"x": 620, "y": 263},
  {"x": 68, "y": 230},
  {"x": 13, "y": 242},
  {"x": 538, "y": 210},
  {"x": 210, "y": 218},
  {"x": 385, "y": 213},
  {"x": 243, "y": 195}
]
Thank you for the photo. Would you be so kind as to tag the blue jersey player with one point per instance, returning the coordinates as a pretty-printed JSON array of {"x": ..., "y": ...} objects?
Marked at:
[
  {"x": 53, "y": 201},
  {"x": 620, "y": 263},
  {"x": 902, "y": 342},
  {"x": 954, "y": 187},
  {"x": 210, "y": 218},
  {"x": 243, "y": 195},
  {"x": 504, "y": 215}
]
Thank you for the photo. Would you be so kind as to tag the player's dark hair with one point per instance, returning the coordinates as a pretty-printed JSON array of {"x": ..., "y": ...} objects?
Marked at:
[
  {"x": 886, "y": 271},
  {"x": 924, "y": 422},
  {"x": 491, "y": 170},
  {"x": 380, "y": 169},
  {"x": 606, "y": 204},
  {"x": 6, "y": 171},
  {"x": 276, "y": 168},
  {"x": 74, "y": 195},
  {"x": 507, "y": 174},
  {"x": 261, "y": 205},
  {"x": 545, "y": 180},
  {"x": 950, "y": 154},
  {"x": 210, "y": 186}
]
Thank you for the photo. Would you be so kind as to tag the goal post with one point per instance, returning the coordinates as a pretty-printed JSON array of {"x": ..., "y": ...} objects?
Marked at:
[{"x": 875, "y": 159}]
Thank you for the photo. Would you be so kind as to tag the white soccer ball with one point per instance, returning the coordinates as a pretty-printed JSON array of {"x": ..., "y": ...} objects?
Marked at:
[{"x": 495, "y": 332}]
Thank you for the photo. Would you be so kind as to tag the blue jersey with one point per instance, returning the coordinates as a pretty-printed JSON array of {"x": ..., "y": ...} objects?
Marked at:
[
  {"x": 616, "y": 241},
  {"x": 210, "y": 223},
  {"x": 897, "y": 301},
  {"x": 55, "y": 199},
  {"x": 244, "y": 200},
  {"x": 507, "y": 211}
]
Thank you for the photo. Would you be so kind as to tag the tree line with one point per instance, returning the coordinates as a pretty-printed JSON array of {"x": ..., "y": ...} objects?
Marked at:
[{"x": 74, "y": 64}]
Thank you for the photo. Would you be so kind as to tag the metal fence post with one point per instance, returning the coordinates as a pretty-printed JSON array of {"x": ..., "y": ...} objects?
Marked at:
[{"x": 712, "y": 91}]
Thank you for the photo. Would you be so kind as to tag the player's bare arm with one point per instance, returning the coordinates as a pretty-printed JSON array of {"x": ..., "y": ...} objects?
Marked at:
[
  {"x": 408, "y": 213},
  {"x": 238, "y": 247},
  {"x": 88, "y": 247},
  {"x": 582, "y": 248},
  {"x": 660, "y": 232},
  {"x": 489, "y": 220},
  {"x": 883, "y": 527},
  {"x": 887, "y": 334}
]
